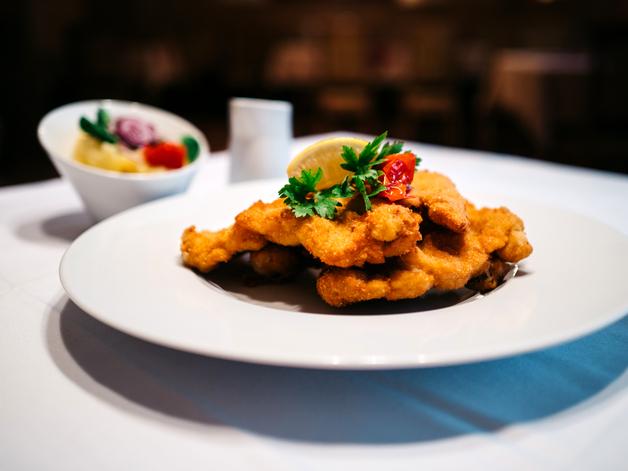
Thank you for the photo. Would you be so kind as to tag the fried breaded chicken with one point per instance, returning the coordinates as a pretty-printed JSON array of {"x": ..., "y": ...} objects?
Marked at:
[
  {"x": 277, "y": 261},
  {"x": 274, "y": 221},
  {"x": 351, "y": 239},
  {"x": 438, "y": 195},
  {"x": 388, "y": 252},
  {"x": 491, "y": 278},
  {"x": 443, "y": 259},
  {"x": 204, "y": 250},
  {"x": 501, "y": 231}
]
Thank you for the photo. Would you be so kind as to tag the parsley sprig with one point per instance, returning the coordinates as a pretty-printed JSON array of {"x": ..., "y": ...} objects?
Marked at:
[
  {"x": 366, "y": 177},
  {"x": 301, "y": 195},
  {"x": 305, "y": 200}
]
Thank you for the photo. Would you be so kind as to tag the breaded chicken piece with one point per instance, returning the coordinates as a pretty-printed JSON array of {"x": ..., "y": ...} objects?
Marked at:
[
  {"x": 275, "y": 221},
  {"x": 501, "y": 231},
  {"x": 354, "y": 239},
  {"x": 277, "y": 261},
  {"x": 440, "y": 198},
  {"x": 491, "y": 278},
  {"x": 443, "y": 260},
  {"x": 351, "y": 239},
  {"x": 204, "y": 250}
]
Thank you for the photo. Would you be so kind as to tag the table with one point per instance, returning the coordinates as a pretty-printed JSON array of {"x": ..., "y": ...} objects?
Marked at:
[{"x": 76, "y": 394}]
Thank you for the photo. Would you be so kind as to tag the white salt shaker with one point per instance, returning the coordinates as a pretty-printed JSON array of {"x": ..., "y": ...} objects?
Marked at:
[{"x": 260, "y": 138}]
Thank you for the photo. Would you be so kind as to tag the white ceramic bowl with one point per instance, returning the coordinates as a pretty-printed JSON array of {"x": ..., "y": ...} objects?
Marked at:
[{"x": 105, "y": 192}]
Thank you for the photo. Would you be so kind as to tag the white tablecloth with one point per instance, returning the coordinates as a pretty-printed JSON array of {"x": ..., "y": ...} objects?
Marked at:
[{"x": 76, "y": 394}]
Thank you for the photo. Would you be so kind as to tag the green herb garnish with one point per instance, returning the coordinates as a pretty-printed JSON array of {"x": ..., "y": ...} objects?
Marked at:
[
  {"x": 365, "y": 176},
  {"x": 301, "y": 195},
  {"x": 98, "y": 129},
  {"x": 102, "y": 118},
  {"x": 192, "y": 146}
]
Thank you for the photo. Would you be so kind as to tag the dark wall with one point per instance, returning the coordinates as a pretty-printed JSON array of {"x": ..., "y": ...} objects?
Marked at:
[{"x": 424, "y": 70}]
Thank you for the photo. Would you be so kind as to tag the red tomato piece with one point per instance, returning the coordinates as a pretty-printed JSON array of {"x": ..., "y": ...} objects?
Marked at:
[
  {"x": 398, "y": 174},
  {"x": 395, "y": 191},
  {"x": 165, "y": 154}
]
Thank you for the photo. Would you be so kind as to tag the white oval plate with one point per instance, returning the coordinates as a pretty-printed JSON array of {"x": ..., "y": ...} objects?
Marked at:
[{"x": 126, "y": 272}]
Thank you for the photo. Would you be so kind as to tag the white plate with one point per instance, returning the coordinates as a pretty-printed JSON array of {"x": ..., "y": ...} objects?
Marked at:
[{"x": 126, "y": 272}]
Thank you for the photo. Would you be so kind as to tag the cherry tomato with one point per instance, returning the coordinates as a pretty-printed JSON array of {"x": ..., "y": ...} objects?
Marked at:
[
  {"x": 398, "y": 173},
  {"x": 165, "y": 154},
  {"x": 395, "y": 191}
]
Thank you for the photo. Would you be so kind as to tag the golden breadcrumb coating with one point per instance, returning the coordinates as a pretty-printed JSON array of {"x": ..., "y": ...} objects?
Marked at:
[
  {"x": 387, "y": 253},
  {"x": 501, "y": 231},
  {"x": 443, "y": 259},
  {"x": 492, "y": 276},
  {"x": 277, "y": 261},
  {"x": 204, "y": 250},
  {"x": 440, "y": 198},
  {"x": 274, "y": 221},
  {"x": 351, "y": 239}
]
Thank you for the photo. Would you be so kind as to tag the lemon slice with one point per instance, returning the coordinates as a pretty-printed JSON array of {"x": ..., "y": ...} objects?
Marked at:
[{"x": 326, "y": 155}]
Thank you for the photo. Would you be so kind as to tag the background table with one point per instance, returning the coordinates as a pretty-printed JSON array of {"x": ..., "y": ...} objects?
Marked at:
[{"x": 76, "y": 394}]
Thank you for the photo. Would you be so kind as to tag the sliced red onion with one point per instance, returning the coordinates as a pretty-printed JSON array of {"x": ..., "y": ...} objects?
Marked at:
[{"x": 134, "y": 132}]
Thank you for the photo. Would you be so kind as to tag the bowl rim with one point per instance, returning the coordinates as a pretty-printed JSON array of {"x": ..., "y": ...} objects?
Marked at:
[{"x": 112, "y": 174}]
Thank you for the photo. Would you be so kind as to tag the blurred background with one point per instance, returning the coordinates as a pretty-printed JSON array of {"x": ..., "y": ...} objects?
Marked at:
[{"x": 546, "y": 79}]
